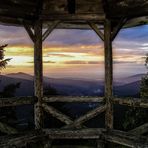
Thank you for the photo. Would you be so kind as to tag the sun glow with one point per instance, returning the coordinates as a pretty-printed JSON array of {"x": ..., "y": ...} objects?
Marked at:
[{"x": 72, "y": 52}]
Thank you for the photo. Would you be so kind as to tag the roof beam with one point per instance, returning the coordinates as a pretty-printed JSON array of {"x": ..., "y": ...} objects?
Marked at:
[
  {"x": 22, "y": 2},
  {"x": 16, "y": 11},
  {"x": 74, "y": 17}
]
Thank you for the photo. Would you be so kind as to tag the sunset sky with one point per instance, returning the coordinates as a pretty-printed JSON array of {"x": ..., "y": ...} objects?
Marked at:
[{"x": 76, "y": 53}]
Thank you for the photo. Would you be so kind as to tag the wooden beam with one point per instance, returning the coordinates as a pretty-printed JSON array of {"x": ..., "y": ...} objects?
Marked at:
[
  {"x": 15, "y": 13},
  {"x": 108, "y": 75},
  {"x": 16, "y": 101},
  {"x": 71, "y": 99},
  {"x": 21, "y": 139},
  {"x": 134, "y": 102},
  {"x": 94, "y": 133},
  {"x": 96, "y": 29},
  {"x": 38, "y": 74},
  {"x": 17, "y": 8},
  {"x": 74, "y": 17},
  {"x": 49, "y": 30},
  {"x": 57, "y": 114},
  {"x": 4, "y": 128},
  {"x": 5, "y": 20},
  {"x": 126, "y": 139},
  {"x": 29, "y": 3},
  {"x": 118, "y": 27},
  {"x": 29, "y": 31},
  {"x": 90, "y": 114},
  {"x": 140, "y": 130}
]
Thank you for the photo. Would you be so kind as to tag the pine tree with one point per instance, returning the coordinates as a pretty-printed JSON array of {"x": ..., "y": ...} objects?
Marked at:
[
  {"x": 7, "y": 114},
  {"x": 3, "y": 62},
  {"x": 137, "y": 116},
  {"x": 144, "y": 82}
]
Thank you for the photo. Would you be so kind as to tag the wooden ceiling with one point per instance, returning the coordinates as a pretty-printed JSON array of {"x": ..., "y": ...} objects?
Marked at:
[{"x": 73, "y": 13}]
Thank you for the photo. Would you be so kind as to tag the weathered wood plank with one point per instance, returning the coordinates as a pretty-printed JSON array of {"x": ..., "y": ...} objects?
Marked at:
[
  {"x": 57, "y": 114},
  {"x": 17, "y": 11},
  {"x": 89, "y": 6},
  {"x": 5, "y": 20},
  {"x": 126, "y": 139},
  {"x": 17, "y": 7},
  {"x": 94, "y": 133},
  {"x": 21, "y": 139},
  {"x": 21, "y": 2},
  {"x": 52, "y": 7},
  {"x": 74, "y": 17},
  {"x": 140, "y": 130},
  {"x": 108, "y": 75},
  {"x": 4, "y": 128},
  {"x": 38, "y": 74},
  {"x": 16, "y": 101},
  {"x": 72, "y": 99},
  {"x": 90, "y": 114},
  {"x": 97, "y": 30},
  {"x": 134, "y": 102},
  {"x": 67, "y": 25}
]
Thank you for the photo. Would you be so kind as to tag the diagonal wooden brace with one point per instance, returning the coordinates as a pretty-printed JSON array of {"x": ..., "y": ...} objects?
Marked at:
[{"x": 87, "y": 116}]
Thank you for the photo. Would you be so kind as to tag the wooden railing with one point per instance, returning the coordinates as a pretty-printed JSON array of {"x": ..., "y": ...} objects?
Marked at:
[
  {"x": 17, "y": 101},
  {"x": 128, "y": 101},
  {"x": 74, "y": 129},
  {"x": 114, "y": 136}
]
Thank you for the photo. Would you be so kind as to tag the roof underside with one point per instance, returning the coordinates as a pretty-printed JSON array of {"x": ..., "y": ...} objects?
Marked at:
[{"x": 73, "y": 13}]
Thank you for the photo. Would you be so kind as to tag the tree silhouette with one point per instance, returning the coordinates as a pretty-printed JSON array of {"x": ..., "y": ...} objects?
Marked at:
[
  {"x": 3, "y": 62},
  {"x": 144, "y": 82},
  {"x": 48, "y": 90},
  {"x": 7, "y": 114},
  {"x": 9, "y": 90},
  {"x": 137, "y": 116}
]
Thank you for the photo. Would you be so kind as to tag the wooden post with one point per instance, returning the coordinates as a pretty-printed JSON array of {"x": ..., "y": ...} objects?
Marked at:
[
  {"x": 108, "y": 75},
  {"x": 38, "y": 74}
]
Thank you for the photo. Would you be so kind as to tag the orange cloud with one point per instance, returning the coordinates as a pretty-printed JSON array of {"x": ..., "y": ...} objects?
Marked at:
[{"x": 83, "y": 62}]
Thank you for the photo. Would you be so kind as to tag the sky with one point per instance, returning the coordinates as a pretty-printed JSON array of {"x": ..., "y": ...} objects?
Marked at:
[{"x": 76, "y": 53}]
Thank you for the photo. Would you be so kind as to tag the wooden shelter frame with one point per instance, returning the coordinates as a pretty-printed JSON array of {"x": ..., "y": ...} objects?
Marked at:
[{"x": 74, "y": 129}]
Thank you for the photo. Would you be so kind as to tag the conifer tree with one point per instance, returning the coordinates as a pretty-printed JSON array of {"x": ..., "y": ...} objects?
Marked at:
[
  {"x": 3, "y": 62},
  {"x": 144, "y": 82},
  {"x": 136, "y": 116}
]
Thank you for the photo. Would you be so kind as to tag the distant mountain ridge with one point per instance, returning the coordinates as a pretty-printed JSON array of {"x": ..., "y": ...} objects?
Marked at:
[
  {"x": 75, "y": 87},
  {"x": 133, "y": 78},
  {"x": 20, "y": 75},
  {"x": 129, "y": 86}
]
